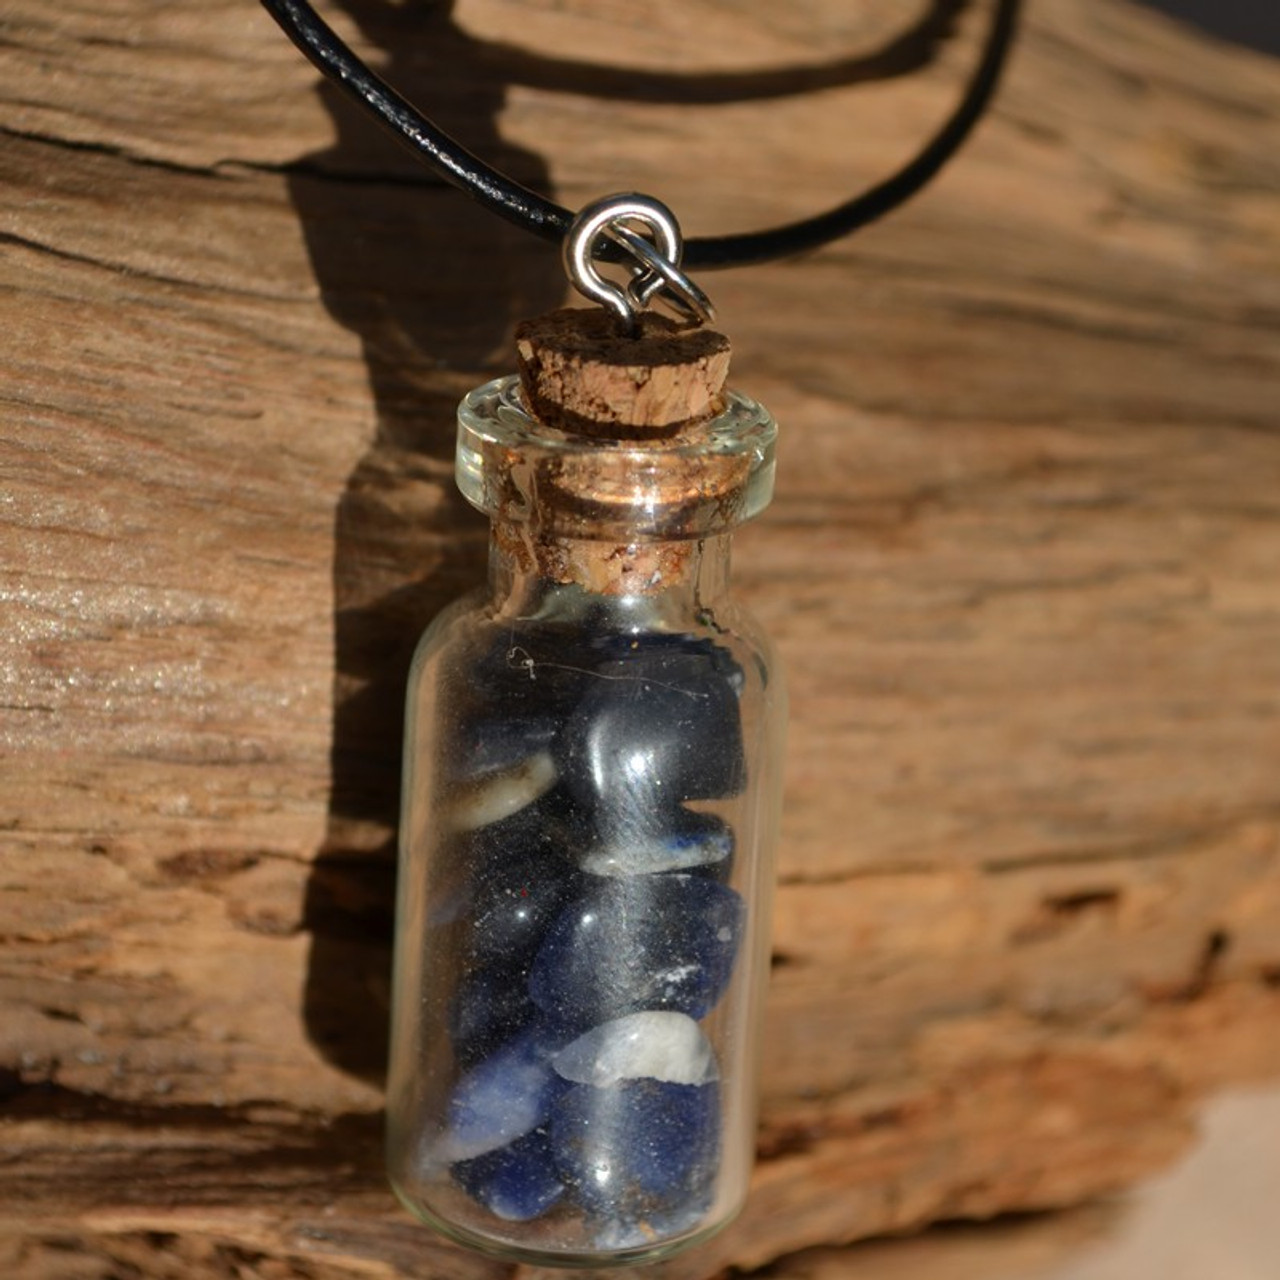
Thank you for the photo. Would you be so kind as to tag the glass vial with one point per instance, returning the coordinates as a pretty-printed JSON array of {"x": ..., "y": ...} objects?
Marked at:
[{"x": 590, "y": 802}]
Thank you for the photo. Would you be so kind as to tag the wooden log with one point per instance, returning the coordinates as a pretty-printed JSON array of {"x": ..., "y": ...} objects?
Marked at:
[{"x": 1021, "y": 564}]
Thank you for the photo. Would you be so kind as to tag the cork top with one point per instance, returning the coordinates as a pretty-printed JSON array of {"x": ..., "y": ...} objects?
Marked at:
[{"x": 582, "y": 376}]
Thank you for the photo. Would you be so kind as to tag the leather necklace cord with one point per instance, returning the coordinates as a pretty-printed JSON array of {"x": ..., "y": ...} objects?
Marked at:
[{"x": 518, "y": 204}]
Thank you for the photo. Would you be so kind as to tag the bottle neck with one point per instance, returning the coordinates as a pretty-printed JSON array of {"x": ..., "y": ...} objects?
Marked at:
[{"x": 657, "y": 584}]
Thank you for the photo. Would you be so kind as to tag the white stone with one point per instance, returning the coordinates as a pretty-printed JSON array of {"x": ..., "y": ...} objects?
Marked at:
[
  {"x": 643, "y": 853},
  {"x": 499, "y": 795},
  {"x": 659, "y": 1045}
]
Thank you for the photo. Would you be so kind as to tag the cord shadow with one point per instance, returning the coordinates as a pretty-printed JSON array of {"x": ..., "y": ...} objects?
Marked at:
[{"x": 433, "y": 286}]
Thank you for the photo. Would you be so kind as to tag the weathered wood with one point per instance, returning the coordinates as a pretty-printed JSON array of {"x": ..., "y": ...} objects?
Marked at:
[{"x": 1021, "y": 564}]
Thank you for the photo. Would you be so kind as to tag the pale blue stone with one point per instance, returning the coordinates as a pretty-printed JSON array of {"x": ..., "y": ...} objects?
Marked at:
[
  {"x": 676, "y": 840},
  {"x": 517, "y": 1182},
  {"x": 508, "y": 1094}
]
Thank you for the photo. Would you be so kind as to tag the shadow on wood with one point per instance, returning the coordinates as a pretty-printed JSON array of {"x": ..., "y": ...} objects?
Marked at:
[{"x": 432, "y": 293}]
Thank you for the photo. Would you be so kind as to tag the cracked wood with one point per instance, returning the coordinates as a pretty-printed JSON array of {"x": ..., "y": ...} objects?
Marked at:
[{"x": 1021, "y": 564}]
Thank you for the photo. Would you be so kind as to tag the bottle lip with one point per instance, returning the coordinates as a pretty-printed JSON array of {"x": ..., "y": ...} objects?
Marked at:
[{"x": 710, "y": 477}]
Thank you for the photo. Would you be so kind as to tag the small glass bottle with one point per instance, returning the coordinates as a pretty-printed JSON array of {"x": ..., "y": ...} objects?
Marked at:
[{"x": 591, "y": 792}]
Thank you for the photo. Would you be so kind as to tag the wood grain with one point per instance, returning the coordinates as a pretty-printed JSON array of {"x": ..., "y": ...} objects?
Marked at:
[{"x": 1022, "y": 566}]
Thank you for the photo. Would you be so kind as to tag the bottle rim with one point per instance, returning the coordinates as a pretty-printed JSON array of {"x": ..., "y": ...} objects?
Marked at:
[{"x": 707, "y": 478}]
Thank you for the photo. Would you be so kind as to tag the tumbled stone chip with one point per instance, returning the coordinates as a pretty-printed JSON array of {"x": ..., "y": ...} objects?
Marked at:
[{"x": 664, "y": 1046}]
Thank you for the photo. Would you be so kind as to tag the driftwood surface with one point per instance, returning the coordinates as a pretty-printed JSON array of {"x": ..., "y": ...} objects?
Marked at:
[{"x": 1022, "y": 565}]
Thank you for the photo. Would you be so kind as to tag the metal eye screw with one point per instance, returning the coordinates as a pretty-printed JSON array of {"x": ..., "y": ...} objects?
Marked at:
[{"x": 656, "y": 256}]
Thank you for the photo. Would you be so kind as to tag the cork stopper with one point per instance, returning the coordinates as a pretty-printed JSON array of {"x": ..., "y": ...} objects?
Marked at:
[
  {"x": 580, "y": 375},
  {"x": 613, "y": 456}
]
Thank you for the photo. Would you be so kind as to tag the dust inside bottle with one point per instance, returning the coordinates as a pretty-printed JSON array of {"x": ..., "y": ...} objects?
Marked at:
[{"x": 590, "y": 802}]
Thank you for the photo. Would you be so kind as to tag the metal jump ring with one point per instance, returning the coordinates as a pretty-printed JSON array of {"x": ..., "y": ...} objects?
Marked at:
[
  {"x": 660, "y": 276},
  {"x": 659, "y": 262}
]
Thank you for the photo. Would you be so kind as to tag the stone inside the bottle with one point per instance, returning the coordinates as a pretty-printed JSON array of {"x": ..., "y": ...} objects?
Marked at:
[
  {"x": 496, "y": 741},
  {"x": 659, "y": 1045},
  {"x": 636, "y": 1147},
  {"x": 489, "y": 1007},
  {"x": 495, "y": 796},
  {"x": 517, "y": 1182},
  {"x": 639, "y": 942},
  {"x": 508, "y": 1094},
  {"x": 655, "y": 728},
  {"x": 665, "y": 840},
  {"x": 515, "y": 905},
  {"x": 598, "y": 931}
]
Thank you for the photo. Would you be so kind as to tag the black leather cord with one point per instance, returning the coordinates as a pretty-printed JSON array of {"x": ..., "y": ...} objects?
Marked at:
[{"x": 551, "y": 221}]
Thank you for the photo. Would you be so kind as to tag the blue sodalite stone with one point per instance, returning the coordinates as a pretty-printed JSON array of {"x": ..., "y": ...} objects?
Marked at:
[
  {"x": 681, "y": 840},
  {"x": 508, "y": 1094},
  {"x": 653, "y": 730},
  {"x": 498, "y": 742},
  {"x": 552, "y": 826},
  {"x": 531, "y": 675},
  {"x": 517, "y": 1182},
  {"x": 638, "y": 942},
  {"x": 619, "y": 646},
  {"x": 489, "y": 1008},
  {"x": 534, "y": 674},
  {"x": 638, "y": 1148},
  {"x": 515, "y": 897}
]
